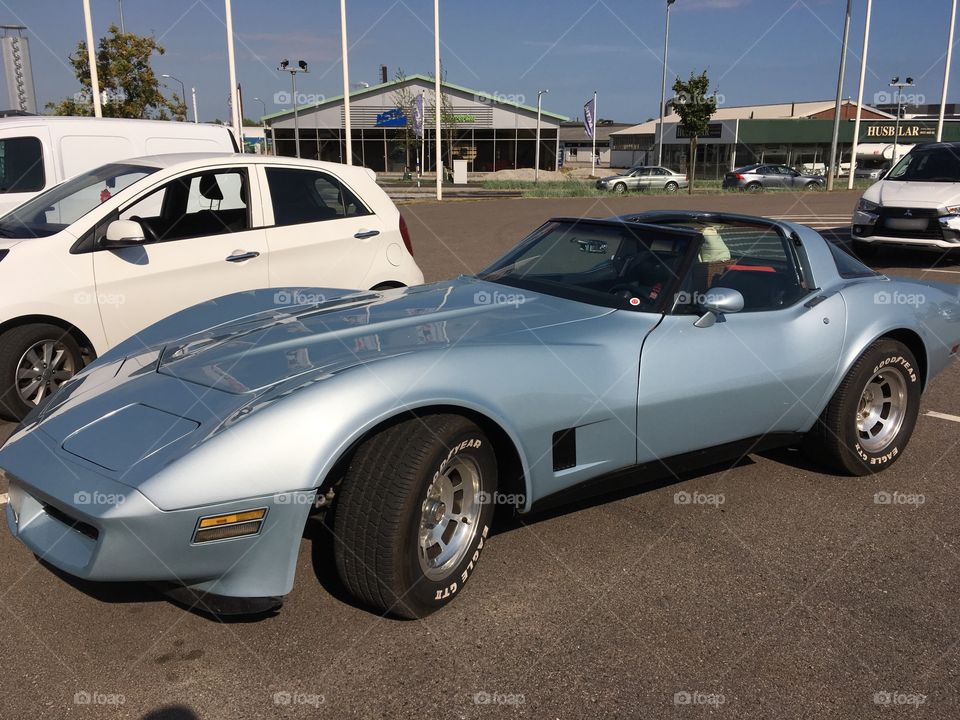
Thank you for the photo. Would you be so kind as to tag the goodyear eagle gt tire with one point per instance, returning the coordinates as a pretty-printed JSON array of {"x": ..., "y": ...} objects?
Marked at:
[
  {"x": 413, "y": 514},
  {"x": 868, "y": 422}
]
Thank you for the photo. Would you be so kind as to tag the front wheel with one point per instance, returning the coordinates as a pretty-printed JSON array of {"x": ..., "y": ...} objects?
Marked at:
[
  {"x": 867, "y": 424},
  {"x": 620, "y": 188},
  {"x": 414, "y": 513},
  {"x": 35, "y": 360}
]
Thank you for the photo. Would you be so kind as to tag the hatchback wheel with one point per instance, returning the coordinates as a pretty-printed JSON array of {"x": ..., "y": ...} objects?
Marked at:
[
  {"x": 35, "y": 360},
  {"x": 754, "y": 187},
  {"x": 413, "y": 514}
]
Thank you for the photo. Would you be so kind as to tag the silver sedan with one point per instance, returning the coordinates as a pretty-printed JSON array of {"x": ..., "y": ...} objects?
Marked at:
[{"x": 644, "y": 177}]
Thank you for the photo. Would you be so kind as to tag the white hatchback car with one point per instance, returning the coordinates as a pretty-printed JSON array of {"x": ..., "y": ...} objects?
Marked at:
[{"x": 98, "y": 258}]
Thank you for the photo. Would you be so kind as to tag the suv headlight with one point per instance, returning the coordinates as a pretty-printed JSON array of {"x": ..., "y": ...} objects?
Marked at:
[{"x": 867, "y": 206}]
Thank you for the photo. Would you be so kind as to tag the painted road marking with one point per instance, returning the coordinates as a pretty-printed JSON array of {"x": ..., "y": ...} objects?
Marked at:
[{"x": 944, "y": 416}]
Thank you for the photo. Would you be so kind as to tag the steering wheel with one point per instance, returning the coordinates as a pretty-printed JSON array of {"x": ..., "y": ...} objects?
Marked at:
[{"x": 148, "y": 232}]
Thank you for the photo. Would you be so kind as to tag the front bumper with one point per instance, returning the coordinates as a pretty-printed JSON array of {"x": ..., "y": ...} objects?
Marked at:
[
  {"x": 94, "y": 528},
  {"x": 940, "y": 232}
]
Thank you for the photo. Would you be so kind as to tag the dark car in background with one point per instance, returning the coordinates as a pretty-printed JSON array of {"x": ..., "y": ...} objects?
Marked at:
[{"x": 756, "y": 177}]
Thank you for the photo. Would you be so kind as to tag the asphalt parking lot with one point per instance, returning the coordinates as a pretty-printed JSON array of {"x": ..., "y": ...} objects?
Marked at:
[{"x": 794, "y": 594}]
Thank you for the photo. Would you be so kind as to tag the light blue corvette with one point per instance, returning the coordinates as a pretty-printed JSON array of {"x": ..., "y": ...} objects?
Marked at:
[{"x": 596, "y": 353}]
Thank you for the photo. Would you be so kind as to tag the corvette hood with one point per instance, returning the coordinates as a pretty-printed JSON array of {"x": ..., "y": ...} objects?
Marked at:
[
  {"x": 893, "y": 193},
  {"x": 326, "y": 336}
]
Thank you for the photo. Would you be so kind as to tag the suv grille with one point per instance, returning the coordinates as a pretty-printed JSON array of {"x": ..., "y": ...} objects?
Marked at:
[{"x": 932, "y": 230}]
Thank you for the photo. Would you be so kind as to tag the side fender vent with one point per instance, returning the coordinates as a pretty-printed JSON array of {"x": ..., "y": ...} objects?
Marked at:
[{"x": 564, "y": 449}]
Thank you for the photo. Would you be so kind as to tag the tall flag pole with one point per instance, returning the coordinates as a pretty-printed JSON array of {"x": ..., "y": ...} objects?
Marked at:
[
  {"x": 590, "y": 128},
  {"x": 236, "y": 119},
  {"x": 863, "y": 75},
  {"x": 439, "y": 95},
  {"x": 946, "y": 71},
  {"x": 346, "y": 81},
  {"x": 92, "y": 58}
]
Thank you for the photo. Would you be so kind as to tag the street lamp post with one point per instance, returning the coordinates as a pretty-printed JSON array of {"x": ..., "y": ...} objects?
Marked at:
[
  {"x": 196, "y": 115},
  {"x": 301, "y": 67},
  {"x": 895, "y": 83},
  {"x": 663, "y": 84},
  {"x": 863, "y": 75},
  {"x": 183, "y": 92},
  {"x": 536, "y": 154}
]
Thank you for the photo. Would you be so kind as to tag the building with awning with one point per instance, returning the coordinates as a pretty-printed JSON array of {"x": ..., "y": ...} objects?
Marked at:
[
  {"x": 490, "y": 131},
  {"x": 795, "y": 134}
]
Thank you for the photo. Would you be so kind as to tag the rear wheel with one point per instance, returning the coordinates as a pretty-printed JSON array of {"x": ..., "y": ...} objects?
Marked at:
[
  {"x": 671, "y": 187},
  {"x": 35, "y": 360},
  {"x": 413, "y": 514},
  {"x": 868, "y": 422},
  {"x": 753, "y": 187}
]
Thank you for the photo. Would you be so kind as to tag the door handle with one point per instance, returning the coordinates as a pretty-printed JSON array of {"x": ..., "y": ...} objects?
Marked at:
[
  {"x": 364, "y": 234},
  {"x": 241, "y": 256}
]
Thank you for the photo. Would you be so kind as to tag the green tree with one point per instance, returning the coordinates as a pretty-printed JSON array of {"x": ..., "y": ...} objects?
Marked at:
[
  {"x": 404, "y": 98},
  {"x": 126, "y": 79},
  {"x": 695, "y": 108}
]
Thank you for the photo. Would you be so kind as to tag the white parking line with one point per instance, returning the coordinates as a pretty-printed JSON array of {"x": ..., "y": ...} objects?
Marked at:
[
  {"x": 943, "y": 271},
  {"x": 4, "y": 498},
  {"x": 943, "y": 416}
]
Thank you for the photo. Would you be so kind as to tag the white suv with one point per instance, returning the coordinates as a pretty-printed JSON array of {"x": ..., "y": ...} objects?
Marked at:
[
  {"x": 98, "y": 258},
  {"x": 916, "y": 204}
]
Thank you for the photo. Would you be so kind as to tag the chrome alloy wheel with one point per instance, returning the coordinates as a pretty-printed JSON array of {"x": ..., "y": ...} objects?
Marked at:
[
  {"x": 449, "y": 517},
  {"x": 881, "y": 411},
  {"x": 42, "y": 369}
]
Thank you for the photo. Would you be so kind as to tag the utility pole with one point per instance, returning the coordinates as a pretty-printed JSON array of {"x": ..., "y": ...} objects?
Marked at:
[{"x": 831, "y": 171}]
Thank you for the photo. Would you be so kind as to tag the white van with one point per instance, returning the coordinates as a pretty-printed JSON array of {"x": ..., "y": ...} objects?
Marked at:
[{"x": 38, "y": 152}]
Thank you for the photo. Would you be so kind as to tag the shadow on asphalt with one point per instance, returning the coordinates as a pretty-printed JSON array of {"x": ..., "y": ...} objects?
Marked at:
[{"x": 172, "y": 712}]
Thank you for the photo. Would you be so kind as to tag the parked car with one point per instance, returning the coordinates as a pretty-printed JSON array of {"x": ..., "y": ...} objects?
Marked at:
[
  {"x": 38, "y": 152},
  {"x": 644, "y": 177},
  {"x": 871, "y": 171},
  {"x": 194, "y": 453},
  {"x": 753, "y": 178},
  {"x": 916, "y": 204},
  {"x": 102, "y": 256}
]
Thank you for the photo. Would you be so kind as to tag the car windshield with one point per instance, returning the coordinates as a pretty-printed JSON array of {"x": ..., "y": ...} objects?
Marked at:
[
  {"x": 619, "y": 265},
  {"x": 64, "y": 204},
  {"x": 936, "y": 165}
]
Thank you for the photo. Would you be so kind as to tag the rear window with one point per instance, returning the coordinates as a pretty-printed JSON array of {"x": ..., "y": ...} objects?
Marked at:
[
  {"x": 847, "y": 265},
  {"x": 21, "y": 165}
]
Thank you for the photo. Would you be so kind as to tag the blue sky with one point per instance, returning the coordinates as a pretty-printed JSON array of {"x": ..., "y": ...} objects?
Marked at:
[{"x": 755, "y": 51}]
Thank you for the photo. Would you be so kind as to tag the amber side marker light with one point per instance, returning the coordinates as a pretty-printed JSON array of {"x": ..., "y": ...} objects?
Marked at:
[{"x": 230, "y": 525}]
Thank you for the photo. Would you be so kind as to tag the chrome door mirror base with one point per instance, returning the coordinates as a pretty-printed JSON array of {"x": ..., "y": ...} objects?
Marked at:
[{"x": 716, "y": 302}]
